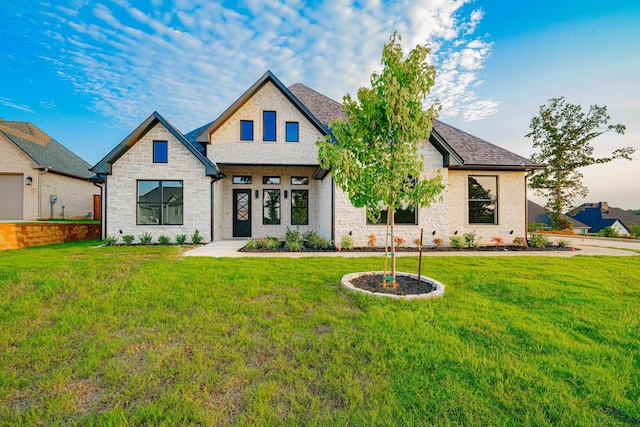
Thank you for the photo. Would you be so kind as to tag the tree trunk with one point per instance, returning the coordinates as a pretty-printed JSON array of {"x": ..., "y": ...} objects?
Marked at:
[{"x": 391, "y": 215}]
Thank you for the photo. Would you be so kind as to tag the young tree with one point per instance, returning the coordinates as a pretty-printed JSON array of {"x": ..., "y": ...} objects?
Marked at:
[
  {"x": 373, "y": 154},
  {"x": 562, "y": 133}
]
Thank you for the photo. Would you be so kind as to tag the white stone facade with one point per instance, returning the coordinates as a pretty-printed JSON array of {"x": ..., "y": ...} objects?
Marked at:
[
  {"x": 137, "y": 164},
  {"x": 511, "y": 206},
  {"x": 226, "y": 146}
]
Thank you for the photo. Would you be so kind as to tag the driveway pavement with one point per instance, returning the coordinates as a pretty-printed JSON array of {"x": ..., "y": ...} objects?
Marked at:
[{"x": 583, "y": 245}]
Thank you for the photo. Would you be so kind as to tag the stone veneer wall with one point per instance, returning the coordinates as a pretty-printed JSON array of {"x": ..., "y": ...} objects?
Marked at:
[
  {"x": 22, "y": 235},
  {"x": 511, "y": 206},
  {"x": 352, "y": 221},
  {"x": 136, "y": 164},
  {"x": 224, "y": 222},
  {"x": 226, "y": 146}
]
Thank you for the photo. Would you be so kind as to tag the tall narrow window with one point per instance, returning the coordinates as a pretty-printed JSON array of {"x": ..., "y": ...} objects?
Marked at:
[
  {"x": 269, "y": 125},
  {"x": 299, "y": 207},
  {"x": 291, "y": 131},
  {"x": 160, "y": 203},
  {"x": 271, "y": 205},
  {"x": 160, "y": 152},
  {"x": 483, "y": 199},
  {"x": 246, "y": 130}
]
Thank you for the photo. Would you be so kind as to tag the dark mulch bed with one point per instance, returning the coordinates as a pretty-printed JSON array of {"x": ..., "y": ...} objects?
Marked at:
[
  {"x": 429, "y": 249},
  {"x": 406, "y": 285}
]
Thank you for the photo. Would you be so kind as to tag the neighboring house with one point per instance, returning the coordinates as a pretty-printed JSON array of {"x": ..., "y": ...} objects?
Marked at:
[
  {"x": 254, "y": 172},
  {"x": 537, "y": 214},
  {"x": 40, "y": 178},
  {"x": 600, "y": 215}
]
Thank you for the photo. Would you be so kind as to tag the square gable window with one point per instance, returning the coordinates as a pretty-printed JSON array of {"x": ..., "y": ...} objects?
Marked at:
[
  {"x": 160, "y": 152},
  {"x": 246, "y": 130},
  {"x": 292, "y": 134},
  {"x": 269, "y": 125}
]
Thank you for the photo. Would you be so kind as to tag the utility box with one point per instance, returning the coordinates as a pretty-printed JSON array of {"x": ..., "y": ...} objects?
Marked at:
[{"x": 53, "y": 198}]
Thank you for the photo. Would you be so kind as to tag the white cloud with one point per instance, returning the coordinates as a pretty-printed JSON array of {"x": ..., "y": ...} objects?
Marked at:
[
  {"x": 191, "y": 61},
  {"x": 9, "y": 103}
]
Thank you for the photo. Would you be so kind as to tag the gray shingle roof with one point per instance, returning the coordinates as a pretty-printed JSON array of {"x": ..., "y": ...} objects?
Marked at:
[
  {"x": 465, "y": 150},
  {"x": 600, "y": 215},
  {"x": 324, "y": 108},
  {"x": 45, "y": 151}
]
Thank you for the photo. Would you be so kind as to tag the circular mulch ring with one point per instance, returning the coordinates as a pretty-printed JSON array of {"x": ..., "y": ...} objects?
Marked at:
[{"x": 371, "y": 282}]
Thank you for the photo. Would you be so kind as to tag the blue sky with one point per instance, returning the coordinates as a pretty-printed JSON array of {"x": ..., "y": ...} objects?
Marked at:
[{"x": 88, "y": 73}]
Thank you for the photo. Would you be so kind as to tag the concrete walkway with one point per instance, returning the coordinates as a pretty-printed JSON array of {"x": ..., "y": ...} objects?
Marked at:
[{"x": 586, "y": 246}]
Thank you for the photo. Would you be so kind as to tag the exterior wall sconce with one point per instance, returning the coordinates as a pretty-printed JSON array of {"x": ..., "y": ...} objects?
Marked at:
[
  {"x": 434, "y": 233},
  {"x": 286, "y": 194},
  {"x": 29, "y": 180},
  {"x": 511, "y": 232},
  {"x": 455, "y": 232},
  {"x": 257, "y": 194}
]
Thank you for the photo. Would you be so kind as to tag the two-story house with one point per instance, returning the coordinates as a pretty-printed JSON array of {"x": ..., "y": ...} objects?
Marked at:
[{"x": 254, "y": 172}]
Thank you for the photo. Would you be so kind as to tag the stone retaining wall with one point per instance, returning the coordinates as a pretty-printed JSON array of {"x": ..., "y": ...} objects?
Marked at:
[{"x": 22, "y": 235}]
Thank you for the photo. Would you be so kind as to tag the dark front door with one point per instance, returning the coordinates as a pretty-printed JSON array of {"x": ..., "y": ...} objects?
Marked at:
[{"x": 241, "y": 213}]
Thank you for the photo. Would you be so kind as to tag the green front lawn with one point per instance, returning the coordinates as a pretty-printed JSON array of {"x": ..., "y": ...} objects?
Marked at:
[{"x": 141, "y": 335}]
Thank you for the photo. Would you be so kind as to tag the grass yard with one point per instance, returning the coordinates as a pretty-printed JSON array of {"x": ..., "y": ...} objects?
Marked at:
[{"x": 143, "y": 336}]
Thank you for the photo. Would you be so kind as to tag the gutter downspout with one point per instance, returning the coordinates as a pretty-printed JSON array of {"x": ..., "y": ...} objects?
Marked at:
[
  {"x": 102, "y": 214},
  {"x": 526, "y": 203},
  {"x": 42, "y": 172}
]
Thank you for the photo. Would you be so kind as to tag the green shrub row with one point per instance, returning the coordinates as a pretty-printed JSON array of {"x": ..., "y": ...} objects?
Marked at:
[{"x": 146, "y": 239}]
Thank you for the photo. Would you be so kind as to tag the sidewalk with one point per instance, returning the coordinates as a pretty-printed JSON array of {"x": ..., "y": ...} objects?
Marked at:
[{"x": 586, "y": 246}]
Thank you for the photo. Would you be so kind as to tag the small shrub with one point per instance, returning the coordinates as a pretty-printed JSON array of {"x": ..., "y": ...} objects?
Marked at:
[
  {"x": 145, "y": 238},
  {"x": 498, "y": 241},
  {"x": 438, "y": 242},
  {"x": 293, "y": 240},
  {"x": 416, "y": 241},
  {"x": 539, "y": 240},
  {"x": 456, "y": 242},
  {"x": 608, "y": 232},
  {"x": 519, "y": 241},
  {"x": 315, "y": 241},
  {"x": 110, "y": 240},
  {"x": 251, "y": 245},
  {"x": 562, "y": 244},
  {"x": 196, "y": 238},
  {"x": 635, "y": 230},
  {"x": 399, "y": 241},
  {"x": 471, "y": 239},
  {"x": 269, "y": 243},
  {"x": 181, "y": 239},
  {"x": 346, "y": 242},
  {"x": 128, "y": 239},
  {"x": 372, "y": 240},
  {"x": 164, "y": 240}
]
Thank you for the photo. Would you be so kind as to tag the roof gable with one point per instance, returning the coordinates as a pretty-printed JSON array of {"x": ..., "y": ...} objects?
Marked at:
[
  {"x": 204, "y": 135},
  {"x": 600, "y": 215},
  {"x": 104, "y": 165},
  {"x": 45, "y": 151},
  {"x": 536, "y": 213}
]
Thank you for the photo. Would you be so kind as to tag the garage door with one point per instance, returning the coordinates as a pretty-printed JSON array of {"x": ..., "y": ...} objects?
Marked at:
[{"x": 11, "y": 197}]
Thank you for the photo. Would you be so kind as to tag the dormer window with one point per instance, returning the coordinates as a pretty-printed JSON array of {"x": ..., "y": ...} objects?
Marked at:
[
  {"x": 246, "y": 130},
  {"x": 160, "y": 152},
  {"x": 268, "y": 125}
]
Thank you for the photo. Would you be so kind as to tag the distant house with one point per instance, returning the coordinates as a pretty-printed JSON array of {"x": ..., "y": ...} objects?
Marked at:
[
  {"x": 537, "y": 214},
  {"x": 600, "y": 215},
  {"x": 40, "y": 178},
  {"x": 254, "y": 172}
]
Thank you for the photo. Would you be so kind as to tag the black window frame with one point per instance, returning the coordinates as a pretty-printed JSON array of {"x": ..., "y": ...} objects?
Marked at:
[
  {"x": 242, "y": 132},
  {"x": 160, "y": 204},
  {"x": 267, "y": 199},
  {"x": 286, "y": 132},
  {"x": 304, "y": 208},
  {"x": 475, "y": 201},
  {"x": 156, "y": 145},
  {"x": 264, "y": 126},
  {"x": 266, "y": 180},
  {"x": 242, "y": 180},
  {"x": 397, "y": 215}
]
